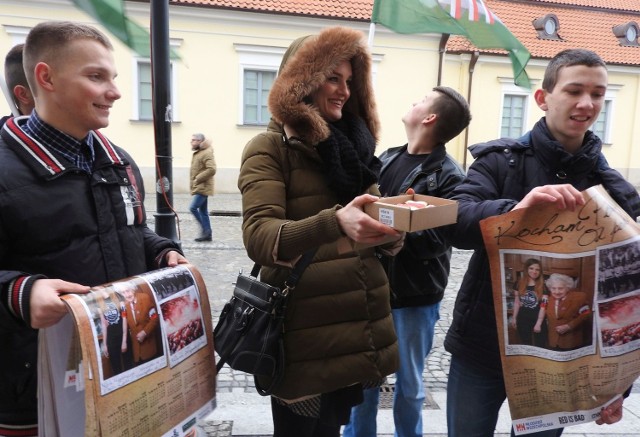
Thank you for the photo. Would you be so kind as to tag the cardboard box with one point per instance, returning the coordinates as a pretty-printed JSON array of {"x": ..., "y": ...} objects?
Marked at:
[
  {"x": 402, "y": 218},
  {"x": 387, "y": 211},
  {"x": 346, "y": 244}
]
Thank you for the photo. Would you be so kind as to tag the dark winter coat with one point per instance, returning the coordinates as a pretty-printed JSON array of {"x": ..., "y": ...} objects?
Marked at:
[
  {"x": 338, "y": 326},
  {"x": 62, "y": 223},
  {"x": 503, "y": 172},
  {"x": 418, "y": 274}
]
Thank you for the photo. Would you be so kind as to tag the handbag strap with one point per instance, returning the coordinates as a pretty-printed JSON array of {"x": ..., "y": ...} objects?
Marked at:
[
  {"x": 297, "y": 271},
  {"x": 290, "y": 284}
]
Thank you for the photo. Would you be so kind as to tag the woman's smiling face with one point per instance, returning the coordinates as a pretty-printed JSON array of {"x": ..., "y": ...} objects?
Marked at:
[
  {"x": 334, "y": 93},
  {"x": 534, "y": 271}
]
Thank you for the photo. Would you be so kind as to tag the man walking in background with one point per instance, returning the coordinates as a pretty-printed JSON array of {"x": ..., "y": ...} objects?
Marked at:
[{"x": 203, "y": 168}]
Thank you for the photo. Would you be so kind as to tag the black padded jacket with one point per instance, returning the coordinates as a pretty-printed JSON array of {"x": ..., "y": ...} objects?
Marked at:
[
  {"x": 61, "y": 223},
  {"x": 503, "y": 172},
  {"x": 418, "y": 274}
]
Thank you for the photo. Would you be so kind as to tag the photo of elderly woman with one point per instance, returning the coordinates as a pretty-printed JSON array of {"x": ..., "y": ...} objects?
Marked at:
[{"x": 568, "y": 312}]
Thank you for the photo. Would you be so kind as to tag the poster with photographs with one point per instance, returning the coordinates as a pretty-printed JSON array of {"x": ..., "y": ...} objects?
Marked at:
[
  {"x": 618, "y": 297},
  {"x": 566, "y": 288},
  {"x": 133, "y": 357},
  {"x": 548, "y": 307},
  {"x": 120, "y": 311},
  {"x": 180, "y": 313}
]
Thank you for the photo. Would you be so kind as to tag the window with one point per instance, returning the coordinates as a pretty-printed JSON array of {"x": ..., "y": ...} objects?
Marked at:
[
  {"x": 145, "y": 107},
  {"x": 142, "y": 89},
  {"x": 513, "y": 112},
  {"x": 604, "y": 124},
  {"x": 601, "y": 126},
  {"x": 627, "y": 34},
  {"x": 258, "y": 66},
  {"x": 547, "y": 27},
  {"x": 257, "y": 85},
  {"x": 143, "y": 101}
]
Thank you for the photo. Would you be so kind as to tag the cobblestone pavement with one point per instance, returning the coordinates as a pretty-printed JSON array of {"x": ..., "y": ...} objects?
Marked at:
[{"x": 220, "y": 260}]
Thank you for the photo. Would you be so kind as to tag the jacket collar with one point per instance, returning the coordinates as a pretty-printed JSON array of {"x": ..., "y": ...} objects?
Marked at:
[
  {"x": 43, "y": 161},
  {"x": 432, "y": 162},
  {"x": 558, "y": 160}
]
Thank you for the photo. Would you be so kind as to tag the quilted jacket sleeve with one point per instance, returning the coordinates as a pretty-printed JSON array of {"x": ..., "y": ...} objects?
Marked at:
[{"x": 480, "y": 196}]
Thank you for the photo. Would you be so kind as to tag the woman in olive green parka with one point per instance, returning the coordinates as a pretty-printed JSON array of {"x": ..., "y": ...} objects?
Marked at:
[{"x": 303, "y": 185}]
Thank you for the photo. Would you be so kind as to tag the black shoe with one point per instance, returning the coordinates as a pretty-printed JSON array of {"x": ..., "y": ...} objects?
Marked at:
[{"x": 204, "y": 237}]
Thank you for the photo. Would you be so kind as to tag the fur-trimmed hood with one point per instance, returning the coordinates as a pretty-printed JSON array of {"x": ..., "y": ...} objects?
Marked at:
[
  {"x": 205, "y": 144},
  {"x": 305, "y": 67}
]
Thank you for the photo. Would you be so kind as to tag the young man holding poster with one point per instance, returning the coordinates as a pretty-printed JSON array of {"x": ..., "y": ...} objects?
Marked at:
[
  {"x": 553, "y": 163},
  {"x": 71, "y": 204}
]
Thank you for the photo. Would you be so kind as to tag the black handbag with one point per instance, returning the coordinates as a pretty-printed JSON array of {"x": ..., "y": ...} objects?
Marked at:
[{"x": 248, "y": 336}]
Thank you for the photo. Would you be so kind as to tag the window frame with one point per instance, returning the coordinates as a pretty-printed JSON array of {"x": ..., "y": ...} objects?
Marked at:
[
  {"x": 253, "y": 57},
  {"x": 511, "y": 89},
  {"x": 243, "y": 104},
  {"x": 606, "y": 137},
  {"x": 524, "y": 114},
  {"x": 173, "y": 83},
  {"x": 137, "y": 62},
  {"x": 609, "y": 98}
]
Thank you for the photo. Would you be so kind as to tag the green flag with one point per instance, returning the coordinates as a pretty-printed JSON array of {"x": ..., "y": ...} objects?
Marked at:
[
  {"x": 110, "y": 13},
  {"x": 469, "y": 18}
]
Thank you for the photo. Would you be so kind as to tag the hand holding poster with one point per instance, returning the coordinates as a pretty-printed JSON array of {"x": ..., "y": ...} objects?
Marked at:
[
  {"x": 567, "y": 298},
  {"x": 133, "y": 357}
]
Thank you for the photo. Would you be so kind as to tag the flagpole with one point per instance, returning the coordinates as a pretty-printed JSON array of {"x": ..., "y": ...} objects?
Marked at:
[
  {"x": 372, "y": 31},
  {"x": 162, "y": 118}
]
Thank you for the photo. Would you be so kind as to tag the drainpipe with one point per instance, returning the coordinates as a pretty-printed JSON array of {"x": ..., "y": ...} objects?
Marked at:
[
  {"x": 442, "y": 50},
  {"x": 472, "y": 65}
]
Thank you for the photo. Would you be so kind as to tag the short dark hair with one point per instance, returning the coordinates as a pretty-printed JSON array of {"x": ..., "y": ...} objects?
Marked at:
[
  {"x": 47, "y": 41},
  {"x": 569, "y": 58},
  {"x": 13, "y": 69},
  {"x": 453, "y": 113}
]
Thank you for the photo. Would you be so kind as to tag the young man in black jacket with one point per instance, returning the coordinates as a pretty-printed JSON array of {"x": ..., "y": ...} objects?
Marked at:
[
  {"x": 418, "y": 274},
  {"x": 71, "y": 204},
  {"x": 553, "y": 163}
]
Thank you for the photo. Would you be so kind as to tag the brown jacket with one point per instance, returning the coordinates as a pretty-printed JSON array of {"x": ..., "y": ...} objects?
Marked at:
[
  {"x": 203, "y": 168},
  {"x": 573, "y": 310},
  {"x": 338, "y": 326},
  {"x": 142, "y": 317}
]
